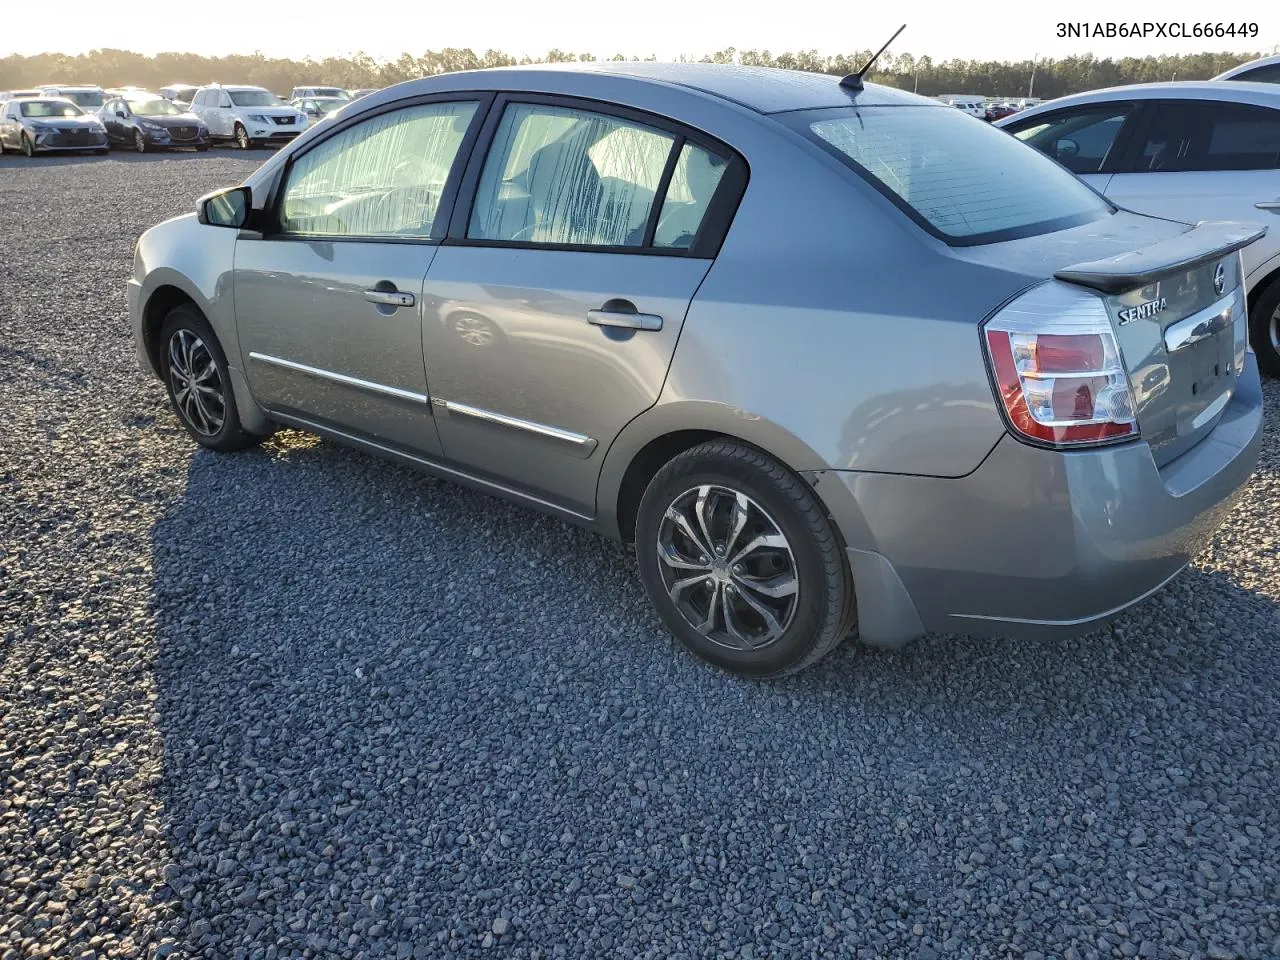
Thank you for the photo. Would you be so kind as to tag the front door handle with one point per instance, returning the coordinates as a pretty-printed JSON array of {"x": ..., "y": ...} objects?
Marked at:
[
  {"x": 616, "y": 314},
  {"x": 389, "y": 298},
  {"x": 1268, "y": 205}
]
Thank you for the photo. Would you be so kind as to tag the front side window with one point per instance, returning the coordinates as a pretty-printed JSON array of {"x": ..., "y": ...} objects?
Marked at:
[
  {"x": 381, "y": 178},
  {"x": 964, "y": 181},
  {"x": 684, "y": 209},
  {"x": 558, "y": 175},
  {"x": 1268, "y": 74},
  {"x": 1187, "y": 135},
  {"x": 1080, "y": 140}
]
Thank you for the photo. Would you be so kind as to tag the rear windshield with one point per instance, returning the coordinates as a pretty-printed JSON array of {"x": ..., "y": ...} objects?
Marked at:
[
  {"x": 88, "y": 99},
  {"x": 958, "y": 177}
]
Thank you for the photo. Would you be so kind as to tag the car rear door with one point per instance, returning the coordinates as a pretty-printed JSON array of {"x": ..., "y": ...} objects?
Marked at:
[
  {"x": 1198, "y": 160},
  {"x": 553, "y": 308},
  {"x": 328, "y": 298}
]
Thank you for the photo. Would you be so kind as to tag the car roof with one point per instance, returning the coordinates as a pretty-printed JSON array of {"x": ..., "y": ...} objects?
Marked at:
[
  {"x": 761, "y": 89},
  {"x": 229, "y": 87},
  {"x": 1262, "y": 94},
  {"x": 1260, "y": 62}
]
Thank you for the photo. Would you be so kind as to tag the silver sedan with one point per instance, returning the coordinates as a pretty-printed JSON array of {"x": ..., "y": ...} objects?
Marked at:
[{"x": 836, "y": 358}]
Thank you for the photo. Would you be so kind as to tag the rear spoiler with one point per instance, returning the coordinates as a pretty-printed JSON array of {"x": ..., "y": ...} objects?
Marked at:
[{"x": 1207, "y": 240}]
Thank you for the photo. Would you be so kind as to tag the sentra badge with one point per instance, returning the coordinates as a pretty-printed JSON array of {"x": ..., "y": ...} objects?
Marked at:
[{"x": 1143, "y": 311}]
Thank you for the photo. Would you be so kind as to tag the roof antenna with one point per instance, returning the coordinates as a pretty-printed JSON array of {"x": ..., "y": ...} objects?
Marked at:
[{"x": 854, "y": 80}]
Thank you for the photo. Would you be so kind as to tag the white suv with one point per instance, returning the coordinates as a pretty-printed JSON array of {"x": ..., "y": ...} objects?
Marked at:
[
  {"x": 251, "y": 116},
  {"x": 86, "y": 96},
  {"x": 308, "y": 93}
]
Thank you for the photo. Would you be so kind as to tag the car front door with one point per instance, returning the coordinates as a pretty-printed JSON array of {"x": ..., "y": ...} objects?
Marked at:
[
  {"x": 328, "y": 300},
  {"x": 1086, "y": 139},
  {"x": 1198, "y": 160},
  {"x": 554, "y": 307}
]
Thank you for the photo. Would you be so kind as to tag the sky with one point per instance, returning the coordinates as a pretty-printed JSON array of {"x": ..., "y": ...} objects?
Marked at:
[{"x": 665, "y": 28}]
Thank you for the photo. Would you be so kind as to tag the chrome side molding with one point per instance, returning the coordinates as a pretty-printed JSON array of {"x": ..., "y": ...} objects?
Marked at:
[
  {"x": 342, "y": 378},
  {"x": 582, "y": 443}
]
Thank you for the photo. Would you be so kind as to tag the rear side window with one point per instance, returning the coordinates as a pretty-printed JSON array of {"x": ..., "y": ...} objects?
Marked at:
[
  {"x": 955, "y": 175},
  {"x": 1205, "y": 135},
  {"x": 558, "y": 175},
  {"x": 1268, "y": 74}
]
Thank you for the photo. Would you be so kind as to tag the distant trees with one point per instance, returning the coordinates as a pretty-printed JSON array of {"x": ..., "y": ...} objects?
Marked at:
[{"x": 1053, "y": 78}]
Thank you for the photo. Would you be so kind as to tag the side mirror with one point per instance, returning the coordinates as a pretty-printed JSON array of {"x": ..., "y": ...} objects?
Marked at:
[
  {"x": 1066, "y": 149},
  {"x": 121, "y": 114},
  {"x": 225, "y": 208}
]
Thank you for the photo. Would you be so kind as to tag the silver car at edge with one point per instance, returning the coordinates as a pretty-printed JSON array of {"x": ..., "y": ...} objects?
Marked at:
[{"x": 836, "y": 360}]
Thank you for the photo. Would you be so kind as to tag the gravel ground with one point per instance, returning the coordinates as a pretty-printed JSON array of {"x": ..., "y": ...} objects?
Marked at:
[{"x": 301, "y": 702}]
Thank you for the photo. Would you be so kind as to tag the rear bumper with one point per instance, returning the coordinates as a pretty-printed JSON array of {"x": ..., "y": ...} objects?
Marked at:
[{"x": 1037, "y": 542}]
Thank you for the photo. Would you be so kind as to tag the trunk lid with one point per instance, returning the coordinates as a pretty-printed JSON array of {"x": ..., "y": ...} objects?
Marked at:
[
  {"x": 1179, "y": 314},
  {"x": 1181, "y": 337}
]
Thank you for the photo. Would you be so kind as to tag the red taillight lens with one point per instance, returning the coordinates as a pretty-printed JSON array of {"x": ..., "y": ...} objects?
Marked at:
[{"x": 1057, "y": 368}]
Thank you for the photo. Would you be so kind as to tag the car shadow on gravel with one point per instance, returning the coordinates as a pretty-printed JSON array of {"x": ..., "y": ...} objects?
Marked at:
[{"x": 400, "y": 717}]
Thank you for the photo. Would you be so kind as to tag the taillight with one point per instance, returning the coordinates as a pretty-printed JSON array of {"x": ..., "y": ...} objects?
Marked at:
[{"x": 1058, "y": 370}]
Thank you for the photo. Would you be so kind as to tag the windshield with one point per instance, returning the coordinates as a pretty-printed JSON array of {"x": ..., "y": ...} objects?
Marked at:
[
  {"x": 50, "y": 108},
  {"x": 328, "y": 104},
  {"x": 89, "y": 99},
  {"x": 182, "y": 93},
  {"x": 155, "y": 108},
  {"x": 958, "y": 177},
  {"x": 332, "y": 92},
  {"x": 254, "y": 98}
]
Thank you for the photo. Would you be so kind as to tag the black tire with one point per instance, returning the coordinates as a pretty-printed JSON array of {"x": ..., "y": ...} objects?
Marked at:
[
  {"x": 139, "y": 141},
  {"x": 242, "y": 137},
  {"x": 1264, "y": 328},
  {"x": 823, "y": 612},
  {"x": 203, "y": 149},
  {"x": 230, "y": 435},
  {"x": 28, "y": 148}
]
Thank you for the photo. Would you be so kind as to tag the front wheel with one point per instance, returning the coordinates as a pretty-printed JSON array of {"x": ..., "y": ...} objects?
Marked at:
[
  {"x": 242, "y": 138},
  {"x": 1264, "y": 328},
  {"x": 139, "y": 141},
  {"x": 194, "y": 370},
  {"x": 28, "y": 148},
  {"x": 741, "y": 562}
]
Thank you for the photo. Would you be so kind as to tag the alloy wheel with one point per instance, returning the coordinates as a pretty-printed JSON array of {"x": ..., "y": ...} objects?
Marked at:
[
  {"x": 473, "y": 330},
  {"x": 1273, "y": 330},
  {"x": 27, "y": 147},
  {"x": 139, "y": 142},
  {"x": 198, "y": 390},
  {"x": 242, "y": 137},
  {"x": 727, "y": 567}
]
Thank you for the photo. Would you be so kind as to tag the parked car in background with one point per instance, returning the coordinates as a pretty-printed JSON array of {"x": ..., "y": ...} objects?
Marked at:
[
  {"x": 317, "y": 108},
  {"x": 87, "y": 97},
  {"x": 249, "y": 116},
  {"x": 1044, "y": 447},
  {"x": 148, "y": 121},
  {"x": 17, "y": 94},
  {"x": 972, "y": 105},
  {"x": 1194, "y": 150},
  {"x": 363, "y": 92},
  {"x": 307, "y": 93},
  {"x": 49, "y": 125},
  {"x": 1262, "y": 70},
  {"x": 180, "y": 93},
  {"x": 998, "y": 111}
]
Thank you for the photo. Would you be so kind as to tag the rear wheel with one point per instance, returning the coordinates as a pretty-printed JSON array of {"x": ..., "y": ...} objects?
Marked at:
[
  {"x": 1264, "y": 328},
  {"x": 194, "y": 370},
  {"x": 741, "y": 562}
]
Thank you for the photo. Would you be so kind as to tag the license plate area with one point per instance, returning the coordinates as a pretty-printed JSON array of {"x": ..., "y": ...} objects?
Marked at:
[{"x": 1202, "y": 375}]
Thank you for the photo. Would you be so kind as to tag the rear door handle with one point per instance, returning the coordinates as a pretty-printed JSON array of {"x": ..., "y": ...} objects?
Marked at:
[
  {"x": 1268, "y": 205},
  {"x": 627, "y": 319},
  {"x": 390, "y": 298}
]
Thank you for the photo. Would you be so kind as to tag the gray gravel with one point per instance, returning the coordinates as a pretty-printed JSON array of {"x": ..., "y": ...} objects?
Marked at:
[{"x": 300, "y": 702}]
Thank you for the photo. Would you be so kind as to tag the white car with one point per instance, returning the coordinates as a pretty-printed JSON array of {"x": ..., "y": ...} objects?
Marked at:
[
  {"x": 972, "y": 105},
  {"x": 1189, "y": 151},
  {"x": 308, "y": 93},
  {"x": 1262, "y": 70},
  {"x": 251, "y": 116},
  {"x": 88, "y": 97}
]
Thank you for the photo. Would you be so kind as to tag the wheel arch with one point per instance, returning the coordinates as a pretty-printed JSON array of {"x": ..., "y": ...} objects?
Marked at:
[
  {"x": 667, "y": 430},
  {"x": 161, "y": 301}
]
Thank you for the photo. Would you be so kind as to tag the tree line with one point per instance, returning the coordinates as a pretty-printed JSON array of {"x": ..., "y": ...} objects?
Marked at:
[{"x": 1044, "y": 78}]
